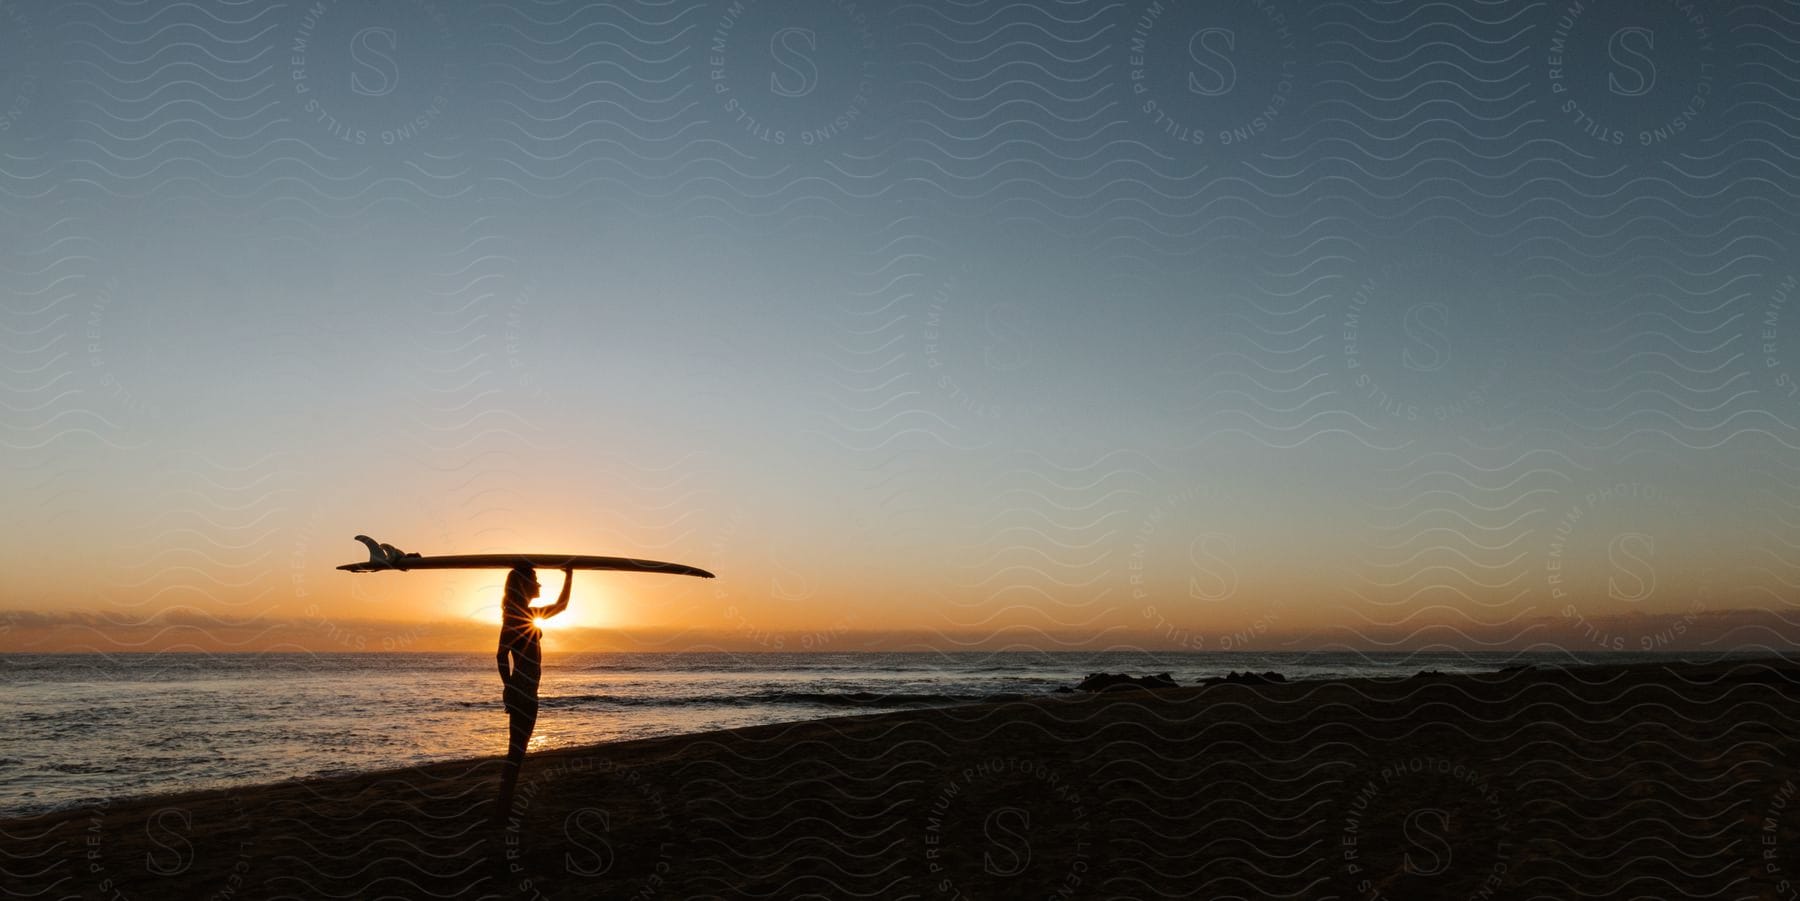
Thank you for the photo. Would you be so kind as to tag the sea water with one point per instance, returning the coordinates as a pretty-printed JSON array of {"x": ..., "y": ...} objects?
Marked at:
[{"x": 83, "y": 727}]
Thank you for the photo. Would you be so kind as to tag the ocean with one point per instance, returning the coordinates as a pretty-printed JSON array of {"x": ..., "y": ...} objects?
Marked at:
[{"x": 86, "y": 727}]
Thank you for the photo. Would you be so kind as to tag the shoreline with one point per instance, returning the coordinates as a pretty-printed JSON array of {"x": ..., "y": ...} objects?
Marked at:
[
  {"x": 1730, "y": 659},
  {"x": 289, "y": 718},
  {"x": 1544, "y": 776}
]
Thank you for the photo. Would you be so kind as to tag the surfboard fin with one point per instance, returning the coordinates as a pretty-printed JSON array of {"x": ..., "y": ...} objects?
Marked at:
[
  {"x": 382, "y": 553},
  {"x": 381, "y": 556},
  {"x": 376, "y": 554}
]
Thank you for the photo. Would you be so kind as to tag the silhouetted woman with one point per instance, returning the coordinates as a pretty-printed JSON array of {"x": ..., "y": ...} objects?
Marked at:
[{"x": 521, "y": 662}]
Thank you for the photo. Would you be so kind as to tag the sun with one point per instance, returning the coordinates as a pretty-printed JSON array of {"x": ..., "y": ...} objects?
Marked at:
[
  {"x": 587, "y": 610},
  {"x": 589, "y": 607}
]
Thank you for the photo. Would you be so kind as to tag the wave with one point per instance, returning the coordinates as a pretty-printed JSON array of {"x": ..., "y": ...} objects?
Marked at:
[{"x": 863, "y": 699}]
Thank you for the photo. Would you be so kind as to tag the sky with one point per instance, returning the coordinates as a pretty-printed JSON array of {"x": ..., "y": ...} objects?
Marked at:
[{"x": 965, "y": 325}]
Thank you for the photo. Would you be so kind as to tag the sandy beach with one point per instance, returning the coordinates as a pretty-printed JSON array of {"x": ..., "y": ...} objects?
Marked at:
[{"x": 1631, "y": 781}]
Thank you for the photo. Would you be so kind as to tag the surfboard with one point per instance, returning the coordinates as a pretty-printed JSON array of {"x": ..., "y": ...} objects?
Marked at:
[{"x": 386, "y": 557}]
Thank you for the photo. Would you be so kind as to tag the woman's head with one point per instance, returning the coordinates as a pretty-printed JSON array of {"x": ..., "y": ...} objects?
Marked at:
[{"x": 521, "y": 584}]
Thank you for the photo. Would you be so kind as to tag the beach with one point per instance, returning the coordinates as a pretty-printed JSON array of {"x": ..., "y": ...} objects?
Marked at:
[
  {"x": 95, "y": 727},
  {"x": 1648, "y": 780}
]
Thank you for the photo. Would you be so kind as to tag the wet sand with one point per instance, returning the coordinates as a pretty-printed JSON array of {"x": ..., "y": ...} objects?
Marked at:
[{"x": 1652, "y": 781}]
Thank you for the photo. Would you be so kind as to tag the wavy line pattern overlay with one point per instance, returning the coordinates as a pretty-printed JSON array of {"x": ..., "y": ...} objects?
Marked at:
[{"x": 1340, "y": 326}]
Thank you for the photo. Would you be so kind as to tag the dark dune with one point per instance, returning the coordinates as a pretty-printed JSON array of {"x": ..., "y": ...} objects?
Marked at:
[{"x": 1608, "y": 782}]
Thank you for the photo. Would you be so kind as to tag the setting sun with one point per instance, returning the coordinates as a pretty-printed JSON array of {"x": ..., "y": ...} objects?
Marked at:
[
  {"x": 588, "y": 605},
  {"x": 557, "y": 623},
  {"x": 586, "y": 610}
]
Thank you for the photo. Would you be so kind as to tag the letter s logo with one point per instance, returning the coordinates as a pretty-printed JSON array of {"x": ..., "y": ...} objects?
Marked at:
[
  {"x": 1224, "y": 74},
  {"x": 1421, "y": 835},
  {"x": 180, "y": 854},
  {"x": 1010, "y": 823},
  {"x": 1220, "y": 576},
  {"x": 1010, "y": 346},
  {"x": 1427, "y": 326},
  {"x": 600, "y": 852},
  {"x": 1619, "y": 48},
  {"x": 785, "y": 45},
  {"x": 1633, "y": 578},
  {"x": 370, "y": 48}
]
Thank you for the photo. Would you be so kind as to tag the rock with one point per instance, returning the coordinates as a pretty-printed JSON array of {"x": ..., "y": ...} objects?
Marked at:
[
  {"x": 1114, "y": 681},
  {"x": 1245, "y": 678}
]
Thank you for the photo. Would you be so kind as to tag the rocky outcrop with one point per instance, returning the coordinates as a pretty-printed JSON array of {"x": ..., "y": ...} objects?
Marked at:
[
  {"x": 1245, "y": 678},
  {"x": 1115, "y": 681}
]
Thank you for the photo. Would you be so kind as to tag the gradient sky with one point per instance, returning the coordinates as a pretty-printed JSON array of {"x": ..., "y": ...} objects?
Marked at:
[{"x": 926, "y": 325}]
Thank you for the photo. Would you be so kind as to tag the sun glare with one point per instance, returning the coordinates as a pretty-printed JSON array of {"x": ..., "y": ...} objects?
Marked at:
[
  {"x": 588, "y": 608},
  {"x": 586, "y": 611}
]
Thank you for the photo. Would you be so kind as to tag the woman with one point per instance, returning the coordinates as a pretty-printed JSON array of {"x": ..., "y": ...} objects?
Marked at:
[{"x": 521, "y": 662}]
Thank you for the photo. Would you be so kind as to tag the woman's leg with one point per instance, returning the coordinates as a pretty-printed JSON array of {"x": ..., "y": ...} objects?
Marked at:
[
  {"x": 522, "y": 701},
  {"x": 520, "y": 697}
]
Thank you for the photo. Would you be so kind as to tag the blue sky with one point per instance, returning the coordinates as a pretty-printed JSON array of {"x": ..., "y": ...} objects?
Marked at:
[{"x": 1012, "y": 322}]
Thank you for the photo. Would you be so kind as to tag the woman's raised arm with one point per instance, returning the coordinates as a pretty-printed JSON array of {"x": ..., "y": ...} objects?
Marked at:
[{"x": 562, "y": 600}]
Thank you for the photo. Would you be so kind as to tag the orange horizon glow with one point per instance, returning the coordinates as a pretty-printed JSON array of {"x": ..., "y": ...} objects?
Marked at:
[{"x": 1154, "y": 585}]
